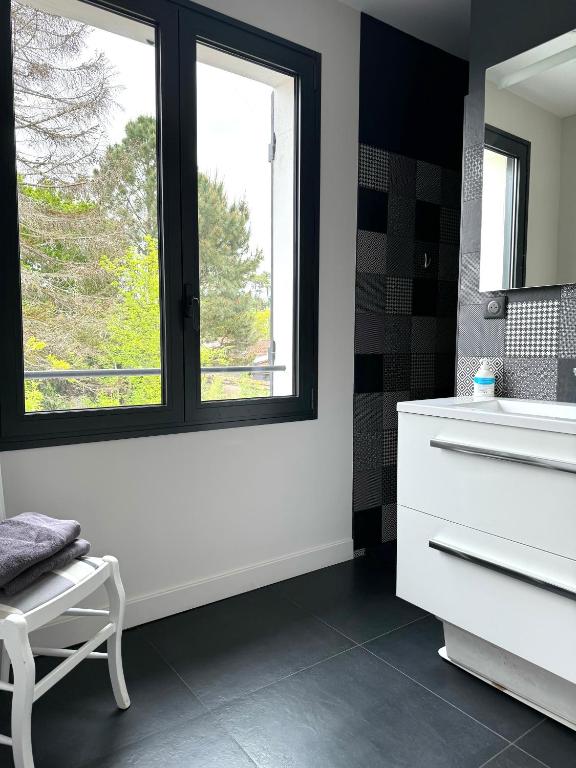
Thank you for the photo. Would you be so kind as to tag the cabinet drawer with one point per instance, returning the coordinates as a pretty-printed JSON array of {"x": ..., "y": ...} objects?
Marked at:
[
  {"x": 534, "y": 505},
  {"x": 518, "y": 598}
]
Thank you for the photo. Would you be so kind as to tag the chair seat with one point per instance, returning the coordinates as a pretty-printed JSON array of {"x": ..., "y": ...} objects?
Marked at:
[{"x": 51, "y": 585}]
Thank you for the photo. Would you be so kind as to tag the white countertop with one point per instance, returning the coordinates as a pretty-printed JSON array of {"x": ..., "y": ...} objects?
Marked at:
[{"x": 545, "y": 415}]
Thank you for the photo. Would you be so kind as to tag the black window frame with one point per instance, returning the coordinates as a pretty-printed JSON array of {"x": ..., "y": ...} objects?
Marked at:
[
  {"x": 179, "y": 26},
  {"x": 513, "y": 146}
]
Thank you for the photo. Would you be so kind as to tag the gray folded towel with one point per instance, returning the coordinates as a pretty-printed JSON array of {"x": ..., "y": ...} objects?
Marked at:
[
  {"x": 28, "y": 539},
  {"x": 78, "y": 548}
]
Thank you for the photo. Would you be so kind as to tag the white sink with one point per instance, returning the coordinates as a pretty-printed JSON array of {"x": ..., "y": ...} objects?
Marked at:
[
  {"x": 541, "y": 408},
  {"x": 545, "y": 415}
]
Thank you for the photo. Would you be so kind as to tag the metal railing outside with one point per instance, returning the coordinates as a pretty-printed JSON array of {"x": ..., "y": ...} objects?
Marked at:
[{"x": 77, "y": 373}]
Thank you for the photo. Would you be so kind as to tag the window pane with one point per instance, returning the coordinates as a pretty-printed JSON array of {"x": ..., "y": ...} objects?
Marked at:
[
  {"x": 85, "y": 109},
  {"x": 245, "y": 144},
  {"x": 499, "y": 202}
]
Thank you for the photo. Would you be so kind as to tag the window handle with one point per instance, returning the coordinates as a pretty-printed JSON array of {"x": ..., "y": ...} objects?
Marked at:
[{"x": 191, "y": 306}]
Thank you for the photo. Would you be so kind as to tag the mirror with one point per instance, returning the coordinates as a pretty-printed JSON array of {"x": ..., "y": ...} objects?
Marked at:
[{"x": 529, "y": 171}]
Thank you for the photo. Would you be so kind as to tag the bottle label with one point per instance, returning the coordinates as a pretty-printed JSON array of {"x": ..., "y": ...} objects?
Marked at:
[{"x": 480, "y": 380}]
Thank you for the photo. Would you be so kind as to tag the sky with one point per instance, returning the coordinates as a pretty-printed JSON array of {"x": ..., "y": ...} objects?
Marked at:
[{"x": 237, "y": 151}]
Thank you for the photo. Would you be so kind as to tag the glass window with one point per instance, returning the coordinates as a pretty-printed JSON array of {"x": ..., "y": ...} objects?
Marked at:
[
  {"x": 246, "y": 170},
  {"x": 161, "y": 220},
  {"x": 86, "y": 149},
  {"x": 498, "y": 218},
  {"x": 506, "y": 181}
]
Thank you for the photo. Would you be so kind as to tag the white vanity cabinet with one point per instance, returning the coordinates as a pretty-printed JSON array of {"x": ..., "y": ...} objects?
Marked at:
[{"x": 487, "y": 539}]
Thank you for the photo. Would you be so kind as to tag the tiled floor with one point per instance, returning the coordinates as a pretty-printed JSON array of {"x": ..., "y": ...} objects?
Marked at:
[{"x": 328, "y": 670}]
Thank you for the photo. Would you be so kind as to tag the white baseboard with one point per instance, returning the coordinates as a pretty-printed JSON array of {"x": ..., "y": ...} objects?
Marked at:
[{"x": 157, "y": 605}]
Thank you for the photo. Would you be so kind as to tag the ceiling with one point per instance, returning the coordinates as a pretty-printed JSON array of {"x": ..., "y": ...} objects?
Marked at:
[
  {"x": 545, "y": 75},
  {"x": 444, "y": 23}
]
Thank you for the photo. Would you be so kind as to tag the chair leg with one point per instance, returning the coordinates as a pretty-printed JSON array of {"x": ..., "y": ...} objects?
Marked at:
[
  {"x": 117, "y": 601},
  {"x": 23, "y": 667}
]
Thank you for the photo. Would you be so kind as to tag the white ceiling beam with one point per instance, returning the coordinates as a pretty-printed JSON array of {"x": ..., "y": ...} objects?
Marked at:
[{"x": 536, "y": 68}]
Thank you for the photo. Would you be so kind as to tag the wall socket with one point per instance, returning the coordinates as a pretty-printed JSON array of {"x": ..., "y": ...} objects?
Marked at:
[{"x": 495, "y": 308}]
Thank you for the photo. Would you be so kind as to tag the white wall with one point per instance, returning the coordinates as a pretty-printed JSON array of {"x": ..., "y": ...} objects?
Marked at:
[
  {"x": 511, "y": 113},
  {"x": 567, "y": 226},
  {"x": 201, "y": 516}
]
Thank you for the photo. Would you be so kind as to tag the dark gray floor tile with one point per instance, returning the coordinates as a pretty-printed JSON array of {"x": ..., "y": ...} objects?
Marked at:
[
  {"x": 200, "y": 743},
  {"x": 78, "y": 719},
  {"x": 357, "y": 597},
  {"x": 513, "y": 758},
  {"x": 552, "y": 743},
  {"x": 414, "y": 650},
  {"x": 230, "y": 648},
  {"x": 354, "y": 711}
]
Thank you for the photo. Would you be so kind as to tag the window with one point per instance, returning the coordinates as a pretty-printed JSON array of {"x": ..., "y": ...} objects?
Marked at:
[
  {"x": 245, "y": 145},
  {"x": 161, "y": 179},
  {"x": 506, "y": 177}
]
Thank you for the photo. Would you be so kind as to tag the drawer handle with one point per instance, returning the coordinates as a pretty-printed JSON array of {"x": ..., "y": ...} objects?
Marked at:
[
  {"x": 496, "y": 453},
  {"x": 528, "y": 578}
]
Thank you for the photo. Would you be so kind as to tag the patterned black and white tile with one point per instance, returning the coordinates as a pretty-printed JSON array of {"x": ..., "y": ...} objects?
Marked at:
[
  {"x": 477, "y": 336},
  {"x": 370, "y": 292},
  {"x": 400, "y": 256},
  {"x": 389, "y": 518},
  {"x": 367, "y": 488},
  {"x": 532, "y": 328},
  {"x": 406, "y": 297},
  {"x": 531, "y": 378},
  {"x": 467, "y": 367},
  {"x": 371, "y": 252},
  {"x": 373, "y": 168},
  {"x": 401, "y": 217},
  {"x": 398, "y": 295},
  {"x": 369, "y": 335},
  {"x": 403, "y": 176},
  {"x": 472, "y": 179},
  {"x": 567, "y": 332},
  {"x": 449, "y": 226},
  {"x": 368, "y": 412},
  {"x": 428, "y": 182},
  {"x": 390, "y": 402}
]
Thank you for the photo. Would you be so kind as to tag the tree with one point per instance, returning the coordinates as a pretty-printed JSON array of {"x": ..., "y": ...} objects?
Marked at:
[
  {"x": 229, "y": 274},
  {"x": 61, "y": 96},
  {"x": 88, "y": 232},
  {"x": 126, "y": 180},
  {"x": 134, "y": 327},
  {"x": 233, "y": 287},
  {"x": 66, "y": 292}
]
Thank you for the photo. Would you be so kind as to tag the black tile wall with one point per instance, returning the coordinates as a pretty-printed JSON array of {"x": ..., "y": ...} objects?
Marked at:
[
  {"x": 533, "y": 350},
  {"x": 406, "y": 303},
  {"x": 409, "y": 186}
]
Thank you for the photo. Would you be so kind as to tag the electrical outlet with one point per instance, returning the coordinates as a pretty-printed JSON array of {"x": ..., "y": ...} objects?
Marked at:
[{"x": 495, "y": 308}]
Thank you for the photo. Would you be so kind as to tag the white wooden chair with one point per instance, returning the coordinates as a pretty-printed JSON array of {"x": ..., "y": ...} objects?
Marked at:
[{"x": 56, "y": 594}]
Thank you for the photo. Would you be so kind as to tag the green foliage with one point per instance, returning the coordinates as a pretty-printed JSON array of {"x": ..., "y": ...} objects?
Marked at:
[
  {"x": 231, "y": 279},
  {"x": 91, "y": 292},
  {"x": 134, "y": 327},
  {"x": 89, "y": 239}
]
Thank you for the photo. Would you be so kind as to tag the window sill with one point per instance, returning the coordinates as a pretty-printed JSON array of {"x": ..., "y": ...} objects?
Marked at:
[{"x": 21, "y": 443}]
